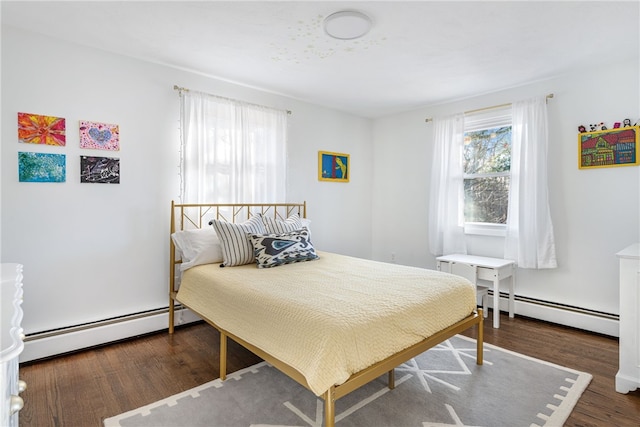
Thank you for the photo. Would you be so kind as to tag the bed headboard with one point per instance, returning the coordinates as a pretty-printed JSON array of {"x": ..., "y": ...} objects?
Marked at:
[{"x": 189, "y": 216}]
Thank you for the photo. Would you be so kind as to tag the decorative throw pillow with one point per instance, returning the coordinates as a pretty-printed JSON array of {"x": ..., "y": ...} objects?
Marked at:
[
  {"x": 277, "y": 226},
  {"x": 197, "y": 246},
  {"x": 236, "y": 247},
  {"x": 272, "y": 250},
  {"x": 306, "y": 223}
]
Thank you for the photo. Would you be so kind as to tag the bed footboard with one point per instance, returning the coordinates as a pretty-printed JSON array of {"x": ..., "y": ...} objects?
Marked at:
[{"x": 363, "y": 377}]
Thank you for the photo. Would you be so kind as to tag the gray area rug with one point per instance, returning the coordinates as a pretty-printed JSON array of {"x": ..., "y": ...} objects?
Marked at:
[{"x": 441, "y": 387}]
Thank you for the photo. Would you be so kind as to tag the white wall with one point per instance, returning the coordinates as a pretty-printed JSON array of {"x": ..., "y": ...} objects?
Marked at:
[
  {"x": 595, "y": 212},
  {"x": 96, "y": 251}
]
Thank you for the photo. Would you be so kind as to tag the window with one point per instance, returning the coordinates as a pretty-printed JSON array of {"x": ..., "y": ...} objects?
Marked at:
[
  {"x": 506, "y": 153},
  {"x": 232, "y": 152},
  {"x": 486, "y": 171}
]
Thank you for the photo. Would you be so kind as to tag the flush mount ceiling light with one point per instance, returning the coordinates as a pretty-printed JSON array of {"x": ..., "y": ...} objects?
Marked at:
[{"x": 347, "y": 25}]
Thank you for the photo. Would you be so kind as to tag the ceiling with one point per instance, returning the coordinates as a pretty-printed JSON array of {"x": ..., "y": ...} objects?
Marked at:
[{"x": 418, "y": 53}]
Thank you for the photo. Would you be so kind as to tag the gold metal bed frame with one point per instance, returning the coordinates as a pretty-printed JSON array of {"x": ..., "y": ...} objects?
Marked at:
[{"x": 192, "y": 216}]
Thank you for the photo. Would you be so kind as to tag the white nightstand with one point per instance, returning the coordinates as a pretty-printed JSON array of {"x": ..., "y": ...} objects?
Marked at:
[{"x": 492, "y": 269}]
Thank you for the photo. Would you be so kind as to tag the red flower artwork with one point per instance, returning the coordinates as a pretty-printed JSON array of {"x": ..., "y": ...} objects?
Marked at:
[{"x": 36, "y": 129}]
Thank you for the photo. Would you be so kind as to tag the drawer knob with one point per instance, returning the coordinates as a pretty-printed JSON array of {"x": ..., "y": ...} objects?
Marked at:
[
  {"x": 16, "y": 404},
  {"x": 22, "y": 386}
]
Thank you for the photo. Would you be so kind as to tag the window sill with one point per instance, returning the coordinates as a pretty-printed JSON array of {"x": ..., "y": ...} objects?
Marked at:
[{"x": 485, "y": 229}]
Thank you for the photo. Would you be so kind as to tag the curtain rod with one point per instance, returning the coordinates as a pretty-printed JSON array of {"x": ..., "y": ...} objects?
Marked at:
[
  {"x": 549, "y": 96},
  {"x": 184, "y": 89}
]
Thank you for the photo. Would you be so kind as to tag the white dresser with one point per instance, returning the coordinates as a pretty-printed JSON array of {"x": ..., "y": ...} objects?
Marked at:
[
  {"x": 628, "y": 376},
  {"x": 11, "y": 343}
]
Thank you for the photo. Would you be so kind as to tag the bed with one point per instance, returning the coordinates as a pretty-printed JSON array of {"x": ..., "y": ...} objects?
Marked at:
[{"x": 331, "y": 322}]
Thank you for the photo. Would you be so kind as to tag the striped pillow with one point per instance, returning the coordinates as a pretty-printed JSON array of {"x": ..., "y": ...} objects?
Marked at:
[
  {"x": 234, "y": 239},
  {"x": 277, "y": 226}
]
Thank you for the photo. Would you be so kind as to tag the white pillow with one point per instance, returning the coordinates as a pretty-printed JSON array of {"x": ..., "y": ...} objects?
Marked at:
[{"x": 198, "y": 246}]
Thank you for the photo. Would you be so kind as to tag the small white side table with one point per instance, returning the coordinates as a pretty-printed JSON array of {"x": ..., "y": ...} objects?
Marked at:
[{"x": 492, "y": 269}]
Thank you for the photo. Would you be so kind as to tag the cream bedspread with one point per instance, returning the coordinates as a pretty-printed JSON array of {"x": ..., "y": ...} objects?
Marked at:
[{"x": 331, "y": 317}]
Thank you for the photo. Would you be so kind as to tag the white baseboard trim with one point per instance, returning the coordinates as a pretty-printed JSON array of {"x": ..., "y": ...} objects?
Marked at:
[
  {"x": 580, "y": 319},
  {"x": 41, "y": 346}
]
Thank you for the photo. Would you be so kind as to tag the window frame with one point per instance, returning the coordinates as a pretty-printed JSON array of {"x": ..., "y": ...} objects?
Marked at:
[{"x": 498, "y": 117}]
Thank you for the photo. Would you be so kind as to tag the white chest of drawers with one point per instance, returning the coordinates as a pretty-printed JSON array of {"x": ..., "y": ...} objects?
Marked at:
[
  {"x": 628, "y": 376},
  {"x": 11, "y": 343}
]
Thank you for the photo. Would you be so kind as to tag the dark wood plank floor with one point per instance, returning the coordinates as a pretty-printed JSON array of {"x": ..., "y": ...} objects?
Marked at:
[{"x": 84, "y": 388}]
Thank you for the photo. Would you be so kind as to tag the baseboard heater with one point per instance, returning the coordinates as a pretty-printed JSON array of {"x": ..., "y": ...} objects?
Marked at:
[
  {"x": 564, "y": 314},
  {"x": 562, "y": 306},
  {"x": 54, "y": 342},
  {"x": 95, "y": 324}
]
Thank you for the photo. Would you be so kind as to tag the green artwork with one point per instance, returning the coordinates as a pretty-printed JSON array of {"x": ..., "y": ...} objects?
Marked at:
[{"x": 41, "y": 167}]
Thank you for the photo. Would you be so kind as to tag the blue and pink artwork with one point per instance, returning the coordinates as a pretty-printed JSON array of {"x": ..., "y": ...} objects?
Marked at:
[{"x": 99, "y": 136}]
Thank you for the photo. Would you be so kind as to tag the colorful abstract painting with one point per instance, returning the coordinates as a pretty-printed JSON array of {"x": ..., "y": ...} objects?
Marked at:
[
  {"x": 333, "y": 166},
  {"x": 37, "y": 129},
  {"x": 99, "y": 170},
  {"x": 101, "y": 136},
  {"x": 41, "y": 167},
  {"x": 609, "y": 148}
]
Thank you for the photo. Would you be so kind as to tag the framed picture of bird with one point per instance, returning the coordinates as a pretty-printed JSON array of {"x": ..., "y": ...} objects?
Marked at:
[{"x": 333, "y": 166}]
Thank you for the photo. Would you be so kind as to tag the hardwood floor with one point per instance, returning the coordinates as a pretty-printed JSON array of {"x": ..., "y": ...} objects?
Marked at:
[{"x": 84, "y": 388}]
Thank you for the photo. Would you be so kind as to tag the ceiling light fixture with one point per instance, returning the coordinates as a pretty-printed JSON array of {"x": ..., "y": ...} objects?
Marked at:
[{"x": 347, "y": 25}]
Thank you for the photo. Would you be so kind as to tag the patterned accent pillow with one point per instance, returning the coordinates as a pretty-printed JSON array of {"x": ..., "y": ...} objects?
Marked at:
[
  {"x": 234, "y": 238},
  {"x": 278, "y": 226},
  {"x": 272, "y": 250}
]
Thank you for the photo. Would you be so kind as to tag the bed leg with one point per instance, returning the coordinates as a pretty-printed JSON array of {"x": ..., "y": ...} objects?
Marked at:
[
  {"x": 392, "y": 379},
  {"x": 223, "y": 356},
  {"x": 171, "y": 315},
  {"x": 480, "y": 340},
  {"x": 329, "y": 408}
]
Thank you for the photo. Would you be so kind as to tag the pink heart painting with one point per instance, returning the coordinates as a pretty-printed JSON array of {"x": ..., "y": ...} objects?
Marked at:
[{"x": 101, "y": 136}]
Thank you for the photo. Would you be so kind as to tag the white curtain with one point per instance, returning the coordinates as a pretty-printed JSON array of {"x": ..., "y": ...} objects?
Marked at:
[
  {"x": 529, "y": 240},
  {"x": 446, "y": 200},
  {"x": 232, "y": 152}
]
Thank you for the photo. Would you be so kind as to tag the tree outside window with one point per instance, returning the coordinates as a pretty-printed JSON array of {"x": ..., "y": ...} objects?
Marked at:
[{"x": 486, "y": 167}]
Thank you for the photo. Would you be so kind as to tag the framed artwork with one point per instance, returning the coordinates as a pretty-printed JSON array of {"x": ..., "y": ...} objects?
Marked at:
[
  {"x": 99, "y": 136},
  {"x": 37, "y": 129},
  {"x": 99, "y": 170},
  {"x": 609, "y": 148},
  {"x": 333, "y": 166},
  {"x": 41, "y": 167}
]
